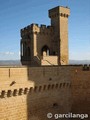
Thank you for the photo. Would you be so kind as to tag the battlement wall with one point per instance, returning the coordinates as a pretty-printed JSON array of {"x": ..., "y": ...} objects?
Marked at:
[
  {"x": 24, "y": 74},
  {"x": 15, "y": 77},
  {"x": 59, "y": 11},
  {"x": 22, "y": 71},
  {"x": 35, "y": 28}
]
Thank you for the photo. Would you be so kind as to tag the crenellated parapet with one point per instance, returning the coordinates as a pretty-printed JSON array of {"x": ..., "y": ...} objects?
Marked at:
[
  {"x": 59, "y": 11},
  {"x": 35, "y": 28},
  {"x": 86, "y": 67},
  {"x": 36, "y": 89}
]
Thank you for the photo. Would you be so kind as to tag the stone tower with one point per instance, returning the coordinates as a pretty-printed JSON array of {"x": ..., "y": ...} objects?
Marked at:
[
  {"x": 46, "y": 45},
  {"x": 59, "y": 20}
]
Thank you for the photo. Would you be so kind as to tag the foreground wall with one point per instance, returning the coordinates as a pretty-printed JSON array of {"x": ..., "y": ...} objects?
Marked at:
[
  {"x": 30, "y": 93},
  {"x": 81, "y": 89}
]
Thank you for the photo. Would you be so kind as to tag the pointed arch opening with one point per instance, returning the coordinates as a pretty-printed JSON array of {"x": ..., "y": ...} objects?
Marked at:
[{"x": 45, "y": 51}]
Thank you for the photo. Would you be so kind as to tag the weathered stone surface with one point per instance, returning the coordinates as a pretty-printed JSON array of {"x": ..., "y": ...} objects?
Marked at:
[{"x": 34, "y": 94}]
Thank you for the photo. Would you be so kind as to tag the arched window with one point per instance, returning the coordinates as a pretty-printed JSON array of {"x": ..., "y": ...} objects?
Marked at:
[{"x": 45, "y": 51}]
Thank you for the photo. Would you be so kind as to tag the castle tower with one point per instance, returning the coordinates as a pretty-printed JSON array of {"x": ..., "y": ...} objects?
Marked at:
[
  {"x": 46, "y": 45},
  {"x": 59, "y": 20}
]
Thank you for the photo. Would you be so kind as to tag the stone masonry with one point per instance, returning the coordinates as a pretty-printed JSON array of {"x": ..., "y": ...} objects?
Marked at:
[
  {"x": 45, "y": 83},
  {"x": 46, "y": 45}
]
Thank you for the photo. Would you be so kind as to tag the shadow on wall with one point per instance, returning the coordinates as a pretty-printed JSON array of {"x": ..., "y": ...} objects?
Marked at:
[
  {"x": 52, "y": 89},
  {"x": 48, "y": 95}
]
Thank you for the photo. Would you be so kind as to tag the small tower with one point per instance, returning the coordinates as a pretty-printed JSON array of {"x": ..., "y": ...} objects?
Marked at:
[
  {"x": 46, "y": 45},
  {"x": 59, "y": 20}
]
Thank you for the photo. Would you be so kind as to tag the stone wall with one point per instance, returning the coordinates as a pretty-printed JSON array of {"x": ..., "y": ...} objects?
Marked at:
[
  {"x": 81, "y": 89},
  {"x": 31, "y": 92}
]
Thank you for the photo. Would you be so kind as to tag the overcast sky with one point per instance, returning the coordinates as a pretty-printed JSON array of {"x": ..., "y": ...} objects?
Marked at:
[{"x": 16, "y": 14}]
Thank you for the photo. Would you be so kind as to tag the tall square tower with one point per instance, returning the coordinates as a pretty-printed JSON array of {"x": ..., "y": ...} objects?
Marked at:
[{"x": 59, "y": 20}]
